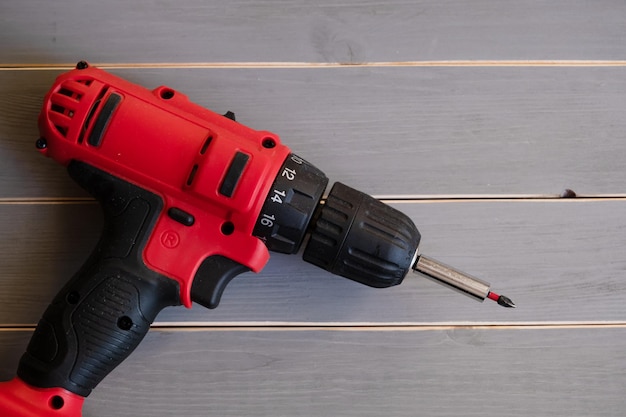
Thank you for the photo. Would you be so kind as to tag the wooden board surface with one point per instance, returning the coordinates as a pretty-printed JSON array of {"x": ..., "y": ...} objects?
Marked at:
[
  {"x": 510, "y": 102},
  {"x": 358, "y": 373},
  {"x": 443, "y": 130},
  {"x": 39, "y": 31},
  {"x": 529, "y": 250}
]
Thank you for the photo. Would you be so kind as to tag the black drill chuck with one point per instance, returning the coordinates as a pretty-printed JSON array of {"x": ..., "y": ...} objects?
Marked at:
[
  {"x": 360, "y": 238},
  {"x": 352, "y": 234}
]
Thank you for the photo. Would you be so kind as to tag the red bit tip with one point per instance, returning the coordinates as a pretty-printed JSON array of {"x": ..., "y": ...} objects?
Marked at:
[{"x": 501, "y": 299}]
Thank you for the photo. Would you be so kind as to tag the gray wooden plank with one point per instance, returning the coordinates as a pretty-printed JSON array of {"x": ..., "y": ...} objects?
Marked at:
[
  {"x": 35, "y": 31},
  {"x": 559, "y": 261},
  {"x": 360, "y": 373},
  {"x": 385, "y": 130}
]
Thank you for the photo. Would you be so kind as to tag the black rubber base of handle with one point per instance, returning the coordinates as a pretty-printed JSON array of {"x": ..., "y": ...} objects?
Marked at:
[{"x": 106, "y": 309}]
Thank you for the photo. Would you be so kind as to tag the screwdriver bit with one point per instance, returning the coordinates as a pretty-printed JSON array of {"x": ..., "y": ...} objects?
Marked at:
[{"x": 459, "y": 281}]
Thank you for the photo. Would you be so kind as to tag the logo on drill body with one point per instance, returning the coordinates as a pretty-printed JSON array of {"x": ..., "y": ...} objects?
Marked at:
[{"x": 170, "y": 239}]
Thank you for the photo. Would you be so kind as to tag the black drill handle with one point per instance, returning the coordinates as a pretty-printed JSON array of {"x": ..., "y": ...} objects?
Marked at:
[{"x": 106, "y": 309}]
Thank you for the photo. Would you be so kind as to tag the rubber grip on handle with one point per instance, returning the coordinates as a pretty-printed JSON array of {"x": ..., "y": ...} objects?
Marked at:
[{"x": 106, "y": 309}]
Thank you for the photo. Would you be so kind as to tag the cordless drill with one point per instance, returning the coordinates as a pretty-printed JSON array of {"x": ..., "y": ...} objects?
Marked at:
[{"x": 191, "y": 199}]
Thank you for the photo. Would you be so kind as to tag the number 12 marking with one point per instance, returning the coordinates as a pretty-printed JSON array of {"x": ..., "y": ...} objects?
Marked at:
[{"x": 289, "y": 173}]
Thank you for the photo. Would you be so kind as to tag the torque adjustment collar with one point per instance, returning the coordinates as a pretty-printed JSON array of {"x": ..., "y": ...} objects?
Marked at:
[{"x": 290, "y": 205}]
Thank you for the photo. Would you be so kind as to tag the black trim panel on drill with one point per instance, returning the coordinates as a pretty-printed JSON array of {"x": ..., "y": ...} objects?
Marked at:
[
  {"x": 100, "y": 316},
  {"x": 233, "y": 174},
  {"x": 101, "y": 123}
]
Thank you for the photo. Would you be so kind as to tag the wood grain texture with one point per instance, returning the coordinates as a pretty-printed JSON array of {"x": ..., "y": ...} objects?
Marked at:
[
  {"x": 35, "y": 31},
  {"x": 385, "y": 131},
  {"x": 322, "y": 345},
  {"x": 322, "y": 373},
  {"x": 559, "y": 261}
]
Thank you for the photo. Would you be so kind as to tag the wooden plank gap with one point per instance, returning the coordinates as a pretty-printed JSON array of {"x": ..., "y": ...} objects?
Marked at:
[
  {"x": 388, "y": 199},
  {"x": 348, "y": 327},
  {"x": 308, "y": 65},
  {"x": 480, "y": 199},
  {"x": 387, "y": 326},
  {"x": 567, "y": 194},
  {"x": 46, "y": 200}
]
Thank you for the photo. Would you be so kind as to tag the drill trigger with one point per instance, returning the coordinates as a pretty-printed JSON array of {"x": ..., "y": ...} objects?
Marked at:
[{"x": 211, "y": 279}]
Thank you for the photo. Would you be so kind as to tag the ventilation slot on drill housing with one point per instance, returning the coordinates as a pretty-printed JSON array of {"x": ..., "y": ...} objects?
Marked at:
[
  {"x": 206, "y": 144},
  {"x": 65, "y": 102},
  {"x": 192, "y": 175},
  {"x": 63, "y": 108}
]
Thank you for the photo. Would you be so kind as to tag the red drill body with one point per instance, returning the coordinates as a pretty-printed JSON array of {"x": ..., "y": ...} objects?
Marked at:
[
  {"x": 176, "y": 149},
  {"x": 190, "y": 199}
]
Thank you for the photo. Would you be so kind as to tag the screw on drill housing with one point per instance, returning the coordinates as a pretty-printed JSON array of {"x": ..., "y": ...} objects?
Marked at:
[{"x": 41, "y": 143}]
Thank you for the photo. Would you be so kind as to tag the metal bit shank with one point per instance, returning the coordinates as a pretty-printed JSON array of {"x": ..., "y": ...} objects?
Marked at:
[{"x": 452, "y": 278}]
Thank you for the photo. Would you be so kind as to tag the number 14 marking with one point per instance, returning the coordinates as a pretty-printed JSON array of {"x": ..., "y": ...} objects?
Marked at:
[{"x": 276, "y": 198}]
